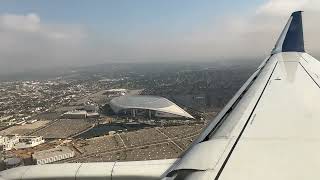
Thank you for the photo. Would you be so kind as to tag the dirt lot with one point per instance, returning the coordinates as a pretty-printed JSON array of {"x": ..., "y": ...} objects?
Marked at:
[
  {"x": 24, "y": 129},
  {"x": 64, "y": 128}
]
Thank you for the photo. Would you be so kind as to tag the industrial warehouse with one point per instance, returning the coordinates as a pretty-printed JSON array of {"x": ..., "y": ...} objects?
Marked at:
[
  {"x": 52, "y": 155},
  {"x": 149, "y": 106}
]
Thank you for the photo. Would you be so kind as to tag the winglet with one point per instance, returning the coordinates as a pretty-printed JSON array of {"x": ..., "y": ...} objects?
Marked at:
[{"x": 291, "y": 38}]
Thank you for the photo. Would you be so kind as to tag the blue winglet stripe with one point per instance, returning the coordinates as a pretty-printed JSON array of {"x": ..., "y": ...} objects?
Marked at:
[{"x": 294, "y": 37}]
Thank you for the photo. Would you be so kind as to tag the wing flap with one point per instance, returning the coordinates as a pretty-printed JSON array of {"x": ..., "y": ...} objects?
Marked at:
[
  {"x": 151, "y": 169},
  {"x": 312, "y": 66}
]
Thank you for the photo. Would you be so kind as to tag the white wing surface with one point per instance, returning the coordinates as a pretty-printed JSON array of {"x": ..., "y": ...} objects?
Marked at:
[{"x": 271, "y": 128}]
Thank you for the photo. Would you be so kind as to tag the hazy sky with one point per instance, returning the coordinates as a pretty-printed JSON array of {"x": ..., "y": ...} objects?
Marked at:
[{"x": 46, "y": 33}]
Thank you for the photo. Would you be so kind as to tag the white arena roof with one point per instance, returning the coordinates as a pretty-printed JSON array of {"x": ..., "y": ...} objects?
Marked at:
[{"x": 147, "y": 102}]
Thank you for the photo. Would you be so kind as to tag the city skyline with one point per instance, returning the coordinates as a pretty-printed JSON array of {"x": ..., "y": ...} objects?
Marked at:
[{"x": 42, "y": 34}]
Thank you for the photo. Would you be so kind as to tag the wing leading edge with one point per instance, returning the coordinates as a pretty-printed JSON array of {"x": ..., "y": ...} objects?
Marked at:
[{"x": 268, "y": 130}]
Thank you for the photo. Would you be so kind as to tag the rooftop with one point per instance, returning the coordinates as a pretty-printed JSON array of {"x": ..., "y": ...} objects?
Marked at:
[
  {"x": 76, "y": 112},
  {"x": 51, "y": 152},
  {"x": 147, "y": 102},
  {"x": 116, "y": 90}
]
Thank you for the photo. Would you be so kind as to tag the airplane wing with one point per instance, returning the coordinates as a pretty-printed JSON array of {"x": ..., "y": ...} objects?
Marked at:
[{"x": 270, "y": 129}]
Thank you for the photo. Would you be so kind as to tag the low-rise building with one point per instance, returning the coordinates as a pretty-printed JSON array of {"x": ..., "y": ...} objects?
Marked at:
[
  {"x": 18, "y": 142},
  {"x": 80, "y": 114},
  {"x": 8, "y": 142},
  {"x": 28, "y": 141},
  {"x": 75, "y": 115},
  {"x": 93, "y": 115},
  {"x": 52, "y": 155},
  {"x": 32, "y": 121},
  {"x": 22, "y": 122}
]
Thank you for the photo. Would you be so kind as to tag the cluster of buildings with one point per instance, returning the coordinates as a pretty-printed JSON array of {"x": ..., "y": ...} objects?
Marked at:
[
  {"x": 19, "y": 142},
  {"x": 38, "y": 157},
  {"x": 21, "y": 100},
  {"x": 116, "y": 92},
  {"x": 11, "y": 120}
]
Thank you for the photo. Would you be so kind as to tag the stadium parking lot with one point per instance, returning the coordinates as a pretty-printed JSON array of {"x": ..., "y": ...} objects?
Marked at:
[{"x": 145, "y": 144}]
